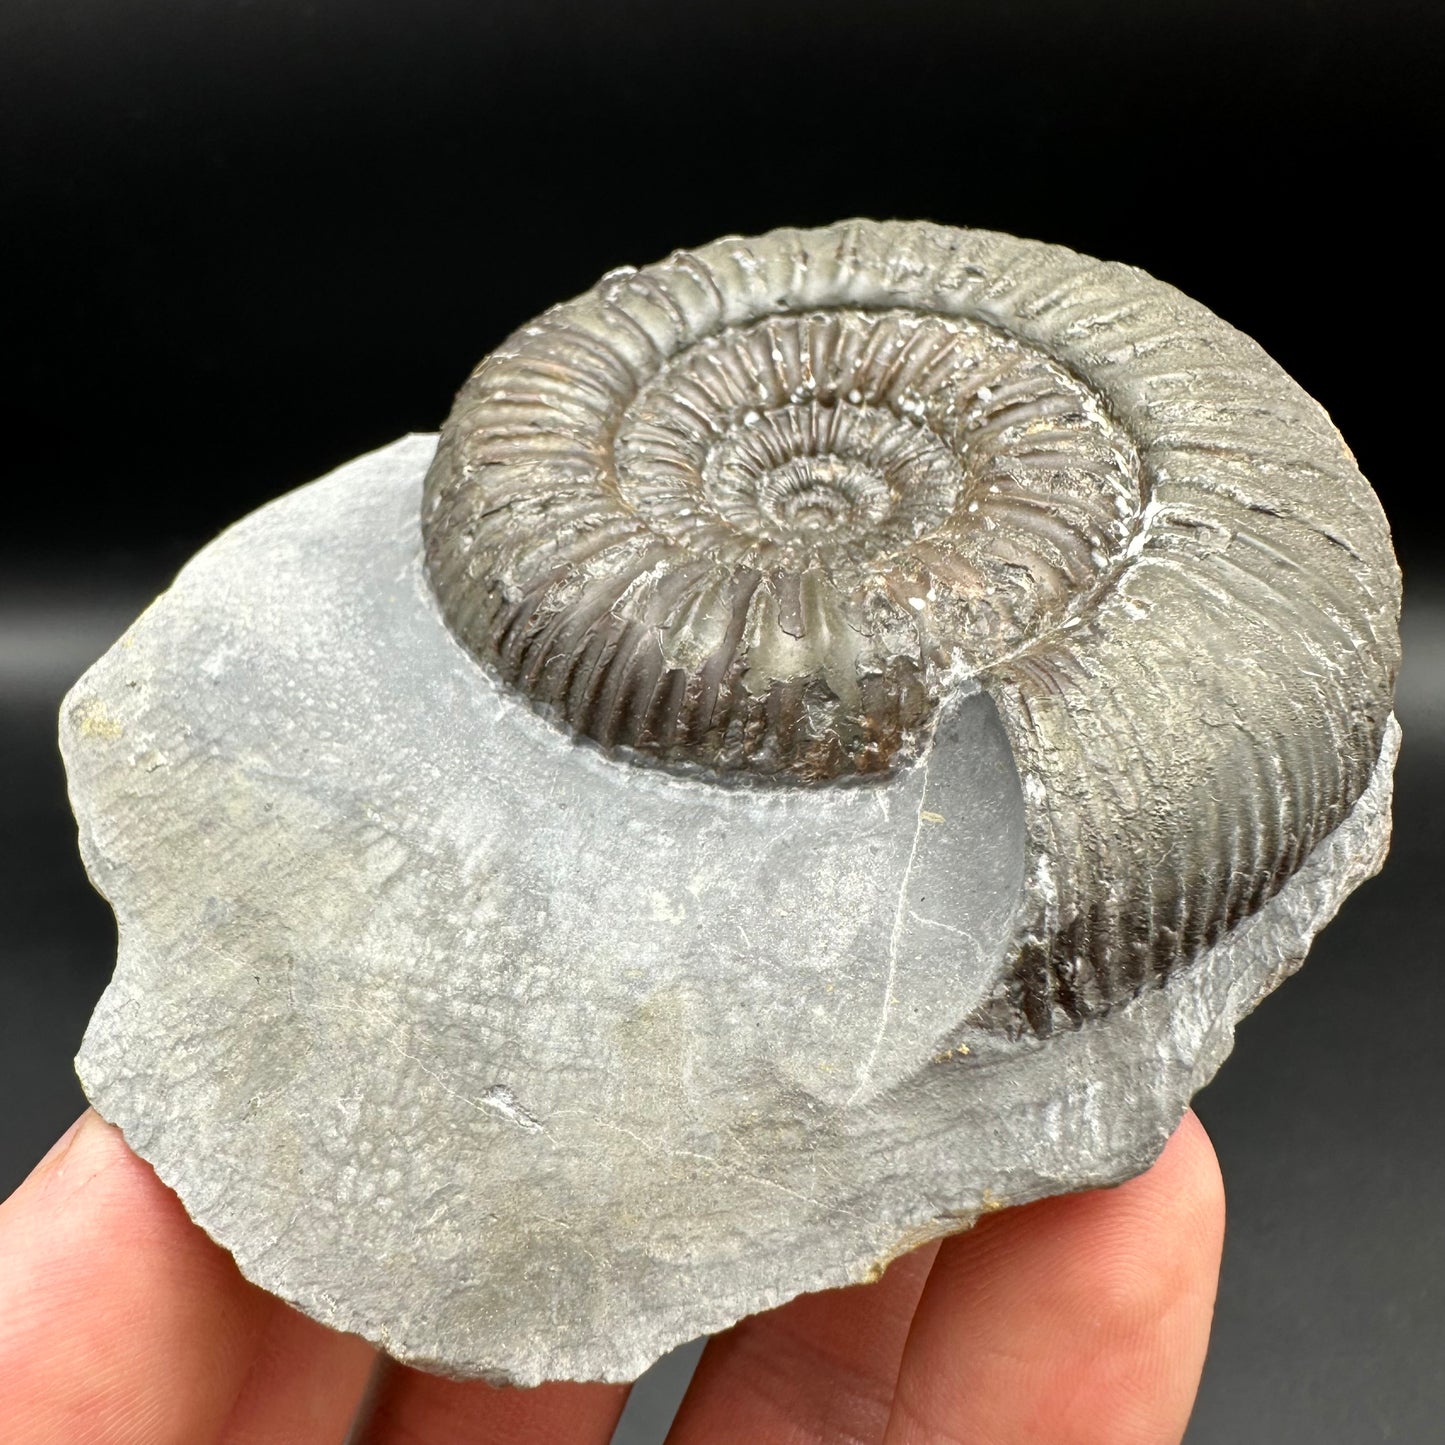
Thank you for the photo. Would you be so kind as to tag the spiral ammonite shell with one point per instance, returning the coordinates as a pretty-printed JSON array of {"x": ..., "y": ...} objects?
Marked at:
[
  {"x": 754, "y": 508},
  {"x": 758, "y": 509}
]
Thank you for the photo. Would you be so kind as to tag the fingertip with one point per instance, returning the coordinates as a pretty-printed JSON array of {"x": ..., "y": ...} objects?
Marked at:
[
  {"x": 1082, "y": 1318},
  {"x": 63, "y": 1143},
  {"x": 1189, "y": 1160},
  {"x": 823, "y": 1366},
  {"x": 89, "y": 1151},
  {"x": 119, "y": 1319},
  {"x": 1181, "y": 1195}
]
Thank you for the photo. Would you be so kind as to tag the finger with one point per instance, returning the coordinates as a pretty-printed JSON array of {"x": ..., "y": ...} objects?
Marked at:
[
  {"x": 121, "y": 1323},
  {"x": 821, "y": 1368},
  {"x": 1080, "y": 1320},
  {"x": 304, "y": 1385},
  {"x": 412, "y": 1408}
]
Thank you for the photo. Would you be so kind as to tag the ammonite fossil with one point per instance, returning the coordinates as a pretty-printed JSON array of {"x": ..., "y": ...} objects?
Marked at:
[
  {"x": 823, "y": 696},
  {"x": 761, "y": 506}
]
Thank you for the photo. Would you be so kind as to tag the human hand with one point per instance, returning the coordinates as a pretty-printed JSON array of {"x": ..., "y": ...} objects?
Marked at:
[{"x": 1079, "y": 1320}]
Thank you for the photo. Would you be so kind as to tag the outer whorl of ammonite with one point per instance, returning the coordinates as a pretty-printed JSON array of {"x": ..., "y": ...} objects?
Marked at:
[{"x": 757, "y": 509}]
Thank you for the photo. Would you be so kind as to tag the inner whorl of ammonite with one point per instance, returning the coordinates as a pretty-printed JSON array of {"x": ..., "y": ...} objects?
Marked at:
[{"x": 767, "y": 544}]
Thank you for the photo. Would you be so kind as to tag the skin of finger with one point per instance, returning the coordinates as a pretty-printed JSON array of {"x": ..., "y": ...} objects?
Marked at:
[
  {"x": 820, "y": 1368},
  {"x": 304, "y": 1385},
  {"x": 121, "y": 1323},
  {"x": 414, "y": 1408},
  {"x": 1079, "y": 1320}
]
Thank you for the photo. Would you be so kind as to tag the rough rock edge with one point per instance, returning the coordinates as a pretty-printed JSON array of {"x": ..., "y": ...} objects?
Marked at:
[
  {"x": 1273, "y": 944},
  {"x": 1353, "y": 853}
]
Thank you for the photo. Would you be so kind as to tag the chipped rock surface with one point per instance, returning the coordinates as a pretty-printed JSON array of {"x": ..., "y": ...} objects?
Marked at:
[{"x": 529, "y": 1064}]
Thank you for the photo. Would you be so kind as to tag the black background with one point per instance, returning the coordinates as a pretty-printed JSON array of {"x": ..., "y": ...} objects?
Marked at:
[{"x": 244, "y": 241}]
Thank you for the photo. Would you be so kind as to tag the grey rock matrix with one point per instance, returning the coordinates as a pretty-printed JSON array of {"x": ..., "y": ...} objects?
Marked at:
[{"x": 829, "y": 742}]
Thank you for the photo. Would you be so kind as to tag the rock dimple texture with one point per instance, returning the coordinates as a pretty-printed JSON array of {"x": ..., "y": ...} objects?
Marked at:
[{"x": 1017, "y": 643}]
